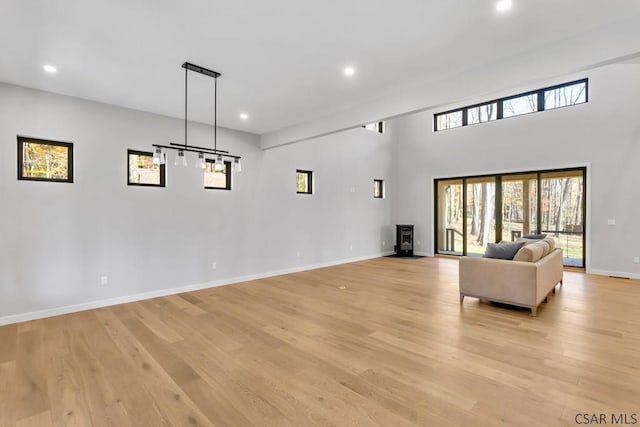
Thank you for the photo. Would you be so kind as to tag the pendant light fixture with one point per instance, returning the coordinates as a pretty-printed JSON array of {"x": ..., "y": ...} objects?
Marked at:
[
  {"x": 159, "y": 157},
  {"x": 201, "y": 163}
]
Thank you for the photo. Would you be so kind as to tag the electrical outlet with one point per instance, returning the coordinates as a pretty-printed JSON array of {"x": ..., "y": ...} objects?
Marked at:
[
  {"x": 214, "y": 265},
  {"x": 636, "y": 259},
  {"x": 298, "y": 253},
  {"x": 104, "y": 280},
  {"x": 611, "y": 222}
]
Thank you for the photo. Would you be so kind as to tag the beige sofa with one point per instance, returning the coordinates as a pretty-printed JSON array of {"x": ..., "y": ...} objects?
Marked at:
[{"x": 525, "y": 281}]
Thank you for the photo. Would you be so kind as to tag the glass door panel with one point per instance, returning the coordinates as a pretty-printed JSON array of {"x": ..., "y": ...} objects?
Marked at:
[
  {"x": 562, "y": 212},
  {"x": 449, "y": 215},
  {"x": 519, "y": 206},
  {"x": 480, "y": 210}
]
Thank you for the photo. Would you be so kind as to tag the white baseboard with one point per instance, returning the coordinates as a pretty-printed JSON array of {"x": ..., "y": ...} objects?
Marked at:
[
  {"x": 56, "y": 311},
  {"x": 614, "y": 274}
]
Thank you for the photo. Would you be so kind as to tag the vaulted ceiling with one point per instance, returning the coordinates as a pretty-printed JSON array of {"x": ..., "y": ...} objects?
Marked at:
[{"x": 282, "y": 61}]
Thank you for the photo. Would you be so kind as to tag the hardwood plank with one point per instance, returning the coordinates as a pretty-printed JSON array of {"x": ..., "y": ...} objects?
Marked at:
[
  {"x": 8, "y": 405},
  {"x": 8, "y": 343},
  {"x": 378, "y": 342},
  {"x": 31, "y": 397}
]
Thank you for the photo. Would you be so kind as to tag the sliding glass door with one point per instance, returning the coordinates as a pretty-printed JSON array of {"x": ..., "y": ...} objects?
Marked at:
[
  {"x": 480, "y": 210},
  {"x": 450, "y": 201},
  {"x": 519, "y": 205},
  {"x": 562, "y": 213},
  {"x": 473, "y": 211}
]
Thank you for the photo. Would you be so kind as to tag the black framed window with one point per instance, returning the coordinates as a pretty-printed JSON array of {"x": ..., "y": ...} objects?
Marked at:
[
  {"x": 304, "y": 182},
  {"x": 375, "y": 126},
  {"x": 473, "y": 211},
  {"x": 142, "y": 172},
  {"x": 44, "y": 160},
  {"x": 217, "y": 179},
  {"x": 547, "y": 98},
  {"x": 378, "y": 189},
  {"x": 448, "y": 120}
]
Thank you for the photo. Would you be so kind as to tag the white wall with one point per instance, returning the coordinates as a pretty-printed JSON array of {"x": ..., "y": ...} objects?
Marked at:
[
  {"x": 606, "y": 44},
  {"x": 57, "y": 239},
  {"x": 604, "y": 133}
]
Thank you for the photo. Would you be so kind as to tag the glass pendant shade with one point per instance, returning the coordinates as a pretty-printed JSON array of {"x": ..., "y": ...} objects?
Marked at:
[
  {"x": 219, "y": 165},
  {"x": 237, "y": 166},
  {"x": 157, "y": 156},
  {"x": 181, "y": 160},
  {"x": 201, "y": 163}
]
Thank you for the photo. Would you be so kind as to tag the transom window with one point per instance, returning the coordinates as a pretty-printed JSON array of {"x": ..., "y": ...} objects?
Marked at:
[
  {"x": 375, "y": 126},
  {"x": 548, "y": 98}
]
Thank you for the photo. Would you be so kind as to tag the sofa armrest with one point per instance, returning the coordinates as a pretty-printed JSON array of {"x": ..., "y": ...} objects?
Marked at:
[
  {"x": 499, "y": 280},
  {"x": 549, "y": 273}
]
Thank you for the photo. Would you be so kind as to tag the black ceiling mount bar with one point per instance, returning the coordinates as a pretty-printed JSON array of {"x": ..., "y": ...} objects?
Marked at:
[
  {"x": 201, "y": 70},
  {"x": 198, "y": 148}
]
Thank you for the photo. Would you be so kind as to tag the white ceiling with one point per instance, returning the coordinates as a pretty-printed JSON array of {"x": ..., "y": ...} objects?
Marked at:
[{"x": 281, "y": 60}]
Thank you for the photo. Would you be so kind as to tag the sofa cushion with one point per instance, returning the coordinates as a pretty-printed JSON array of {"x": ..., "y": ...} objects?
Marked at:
[
  {"x": 502, "y": 250},
  {"x": 531, "y": 252},
  {"x": 551, "y": 242}
]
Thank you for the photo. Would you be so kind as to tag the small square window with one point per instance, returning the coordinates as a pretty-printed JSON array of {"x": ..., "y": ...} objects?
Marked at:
[
  {"x": 378, "y": 189},
  {"x": 42, "y": 160},
  {"x": 217, "y": 179},
  {"x": 141, "y": 170},
  {"x": 304, "y": 182},
  {"x": 375, "y": 126}
]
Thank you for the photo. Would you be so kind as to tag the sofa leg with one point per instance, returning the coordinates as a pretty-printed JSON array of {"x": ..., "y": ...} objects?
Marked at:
[
  {"x": 554, "y": 290},
  {"x": 561, "y": 282},
  {"x": 546, "y": 300},
  {"x": 534, "y": 311},
  {"x": 461, "y": 298}
]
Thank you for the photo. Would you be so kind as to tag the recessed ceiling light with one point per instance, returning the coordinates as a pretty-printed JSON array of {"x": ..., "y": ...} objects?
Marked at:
[
  {"x": 349, "y": 71},
  {"x": 244, "y": 116},
  {"x": 50, "y": 69},
  {"x": 503, "y": 5}
]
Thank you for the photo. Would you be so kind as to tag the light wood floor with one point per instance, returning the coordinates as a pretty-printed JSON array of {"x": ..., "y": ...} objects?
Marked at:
[{"x": 381, "y": 342}]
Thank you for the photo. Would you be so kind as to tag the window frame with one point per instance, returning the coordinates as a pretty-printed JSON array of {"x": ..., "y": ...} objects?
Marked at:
[
  {"x": 379, "y": 126},
  {"x": 309, "y": 174},
  {"x": 149, "y": 154},
  {"x": 227, "y": 174},
  {"x": 500, "y": 104},
  {"x": 381, "y": 183},
  {"x": 68, "y": 145}
]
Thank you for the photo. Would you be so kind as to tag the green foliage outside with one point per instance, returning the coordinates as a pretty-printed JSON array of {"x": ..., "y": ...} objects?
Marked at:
[
  {"x": 302, "y": 185},
  {"x": 45, "y": 161}
]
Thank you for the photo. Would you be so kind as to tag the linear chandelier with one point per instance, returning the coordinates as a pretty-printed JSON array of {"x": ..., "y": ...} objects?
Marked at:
[{"x": 159, "y": 157}]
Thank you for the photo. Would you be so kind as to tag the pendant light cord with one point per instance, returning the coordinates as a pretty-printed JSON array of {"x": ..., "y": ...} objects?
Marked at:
[
  {"x": 186, "y": 74},
  {"x": 215, "y": 113}
]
